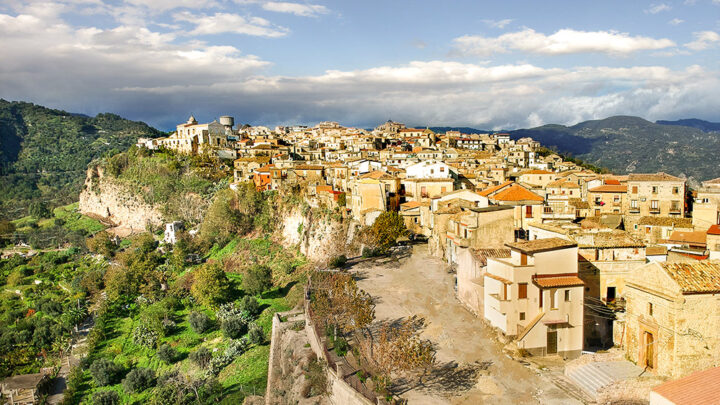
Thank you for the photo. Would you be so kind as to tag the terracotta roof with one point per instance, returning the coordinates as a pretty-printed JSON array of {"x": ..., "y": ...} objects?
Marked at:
[
  {"x": 493, "y": 189},
  {"x": 377, "y": 175},
  {"x": 562, "y": 183},
  {"x": 692, "y": 238},
  {"x": 308, "y": 167},
  {"x": 666, "y": 221},
  {"x": 498, "y": 278},
  {"x": 564, "y": 280},
  {"x": 612, "y": 182},
  {"x": 535, "y": 171},
  {"x": 324, "y": 188},
  {"x": 660, "y": 176},
  {"x": 481, "y": 255},
  {"x": 699, "y": 388},
  {"x": 409, "y": 205},
  {"x": 517, "y": 192},
  {"x": 695, "y": 277},
  {"x": 24, "y": 381},
  {"x": 714, "y": 230},
  {"x": 609, "y": 188},
  {"x": 541, "y": 245}
]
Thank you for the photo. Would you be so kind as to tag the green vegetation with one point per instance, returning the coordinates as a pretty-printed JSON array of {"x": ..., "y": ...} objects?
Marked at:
[{"x": 44, "y": 153}]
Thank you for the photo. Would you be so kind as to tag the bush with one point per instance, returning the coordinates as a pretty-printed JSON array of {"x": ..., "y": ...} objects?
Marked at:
[
  {"x": 138, "y": 380},
  {"x": 166, "y": 353},
  {"x": 234, "y": 327},
  {"x": 338, "y": 261},
  {"x": 341, "y": 347},
  {"x": 199, "y": 322},
  {"x": 105, "y": 397},
  {"x": 104, "y": 372},
  {"x": 201, "y": 357},
  {"x": 237, "y": 347},
  {"x": 144, "y": 336},
  {"x": 39, "y": 210},
  {"x": 250, "y": 305},
  {"x": 256, "y": 335},
  {"x": 386, "y": 229},
  {"x": 257, "y": 279}
]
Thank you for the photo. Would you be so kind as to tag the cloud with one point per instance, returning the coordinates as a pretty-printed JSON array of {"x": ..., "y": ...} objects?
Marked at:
[
  {"x": 676, "y": 21},
  {"x": 498, "y": 23},
  {"x": 304, "y": 10},
  {"x": 704, "y": 40},
  {"x": 232, "y": 23},
  {"x": 657, "y": 8},
  {"x": 565, "y": 41}
]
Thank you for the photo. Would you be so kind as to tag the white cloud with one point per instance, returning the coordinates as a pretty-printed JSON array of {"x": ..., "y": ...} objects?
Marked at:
[
  {"x": 233, "y": 23},
  {"x": 498, "y": 23},
  {"x": 565, "y": 41},
  {"x": 704, "y": 40},
  {"x": 676, "y": 21},
  {"x": 657, "y": 8},
  {"x": 305, "y": 10},
  {"x": 166, "y": 5}
]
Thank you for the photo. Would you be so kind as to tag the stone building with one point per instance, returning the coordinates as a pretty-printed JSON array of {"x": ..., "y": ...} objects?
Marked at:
[
  {"x": 672, "y": 317},
  {"x": 656, "y": 194}
]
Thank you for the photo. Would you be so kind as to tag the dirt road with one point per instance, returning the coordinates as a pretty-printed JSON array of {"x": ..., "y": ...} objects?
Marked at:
[{"x": 473, "y": 367}]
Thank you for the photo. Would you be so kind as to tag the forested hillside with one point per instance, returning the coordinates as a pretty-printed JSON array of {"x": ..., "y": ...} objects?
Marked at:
[
  {"x": 631, "y": 144},
  {"x": 44, "y": 152}
]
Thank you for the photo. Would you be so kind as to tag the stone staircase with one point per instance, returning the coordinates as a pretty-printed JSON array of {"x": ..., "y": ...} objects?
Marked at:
[{"x": 592, "y": 377}]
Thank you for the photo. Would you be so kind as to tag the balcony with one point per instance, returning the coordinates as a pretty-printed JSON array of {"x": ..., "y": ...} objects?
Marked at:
[
  {"x": 499, "y": 304},
  {"x": 458, "y": 240}
]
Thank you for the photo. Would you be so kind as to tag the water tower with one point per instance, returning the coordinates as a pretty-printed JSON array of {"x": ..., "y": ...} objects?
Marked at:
[{"x": 227, "y": 121}]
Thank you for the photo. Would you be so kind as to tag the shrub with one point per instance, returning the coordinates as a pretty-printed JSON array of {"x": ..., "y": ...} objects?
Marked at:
[
  {"x": 39, "y": 210},
  {"x": 199, "y": 321},
  {"x": 201, "y": 357},
  {"x": 250, "y": 305},
  {"x": 234, "y": 327},
  {"x": 104, "y": 372},
  {"x": 138, "y": 380},
  {"x": 166, "y": 353},
  {"x": 237, "y": 348},
  {"x": 256, "y": 335},
  {"x": 144, "y": 336},
  {"x": 105, "y": 397},
  {"x": 257, "y": 279},
  {"x": 338, "y": 261},
  {"x": 342, "y": 200},
  {"x": 341, "y": 347}
]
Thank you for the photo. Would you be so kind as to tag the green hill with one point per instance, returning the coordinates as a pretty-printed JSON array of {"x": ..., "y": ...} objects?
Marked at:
[
  {"x": 632, "y": 145},
  {"x": 44, "y": 152}
]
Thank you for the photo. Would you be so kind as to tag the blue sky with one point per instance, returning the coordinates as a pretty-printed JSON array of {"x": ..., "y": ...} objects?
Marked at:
[{"x": 468, "y": 63}]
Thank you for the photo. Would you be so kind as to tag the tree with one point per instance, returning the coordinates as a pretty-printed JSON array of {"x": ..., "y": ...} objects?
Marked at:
[
  {"x": 39, "y": 210},
  {"x": 104, "y": 372},
  {"x": 250, "y": 305},
  {"x": 399, "y": 349},
  {"x": 201, "y": 357},
  {"x": 342, "y": 200},
  {"x": 6, "y": 231},
  {"x": 386, "y": 229},
  {"x": 105, "y": 397},
  {"x": 234, "y": 327},
  {"x": 257, "y": 279},
  {"x": 338, "y": 261},
  {"x": 138, "y": 380},
  {"x": 166, "y": 353},
  {"x": 199, "y": 321},
  {"x": 211, "y": 286},
  {"x": 101, "y": 243},
  {"x": 338, "y": 301}
]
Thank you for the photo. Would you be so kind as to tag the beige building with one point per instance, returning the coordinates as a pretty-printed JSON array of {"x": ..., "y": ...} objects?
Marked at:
[
  {"x": 672, "y": 317},
  {"x": 706, "y": 209},
  {"x": 537, "y": 178},
  {"x": 536, "y": 296},
  {"x": 192, "y": 138},
  {"x": 608, "y": 199},
  {"x": 657, "y": 194}
]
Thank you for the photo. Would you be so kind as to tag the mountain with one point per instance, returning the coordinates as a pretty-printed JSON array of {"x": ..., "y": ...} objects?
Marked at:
[
  {"x": 464, "y": 130},
  {"x": 702, "y": 125},
  {"x": 44, "y": 152},
  {"x": 630, "y": 144}
]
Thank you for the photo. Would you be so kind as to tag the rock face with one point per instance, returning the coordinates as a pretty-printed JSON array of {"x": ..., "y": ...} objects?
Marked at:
[
  {"x": 113, "y": 202},
  {"x": 320, "y": 237}
]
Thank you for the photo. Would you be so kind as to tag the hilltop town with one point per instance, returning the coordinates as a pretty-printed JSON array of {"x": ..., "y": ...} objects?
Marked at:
[{"x": 557, "y": 258}]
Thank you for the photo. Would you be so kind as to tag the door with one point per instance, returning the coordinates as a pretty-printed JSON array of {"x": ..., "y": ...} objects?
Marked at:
[
  {"x": 649, "y": 350},
  {"x": 610, "y": 294},
  {"x": 551, "y": 342}
]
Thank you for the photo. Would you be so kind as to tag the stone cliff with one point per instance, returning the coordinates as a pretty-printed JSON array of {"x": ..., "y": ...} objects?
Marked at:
[
  {"x": 113, "y": 202},
  {"x": 320, "y": 236}
]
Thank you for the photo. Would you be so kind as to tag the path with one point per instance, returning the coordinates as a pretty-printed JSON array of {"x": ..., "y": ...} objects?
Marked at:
[{"x": 420, "y": 285}]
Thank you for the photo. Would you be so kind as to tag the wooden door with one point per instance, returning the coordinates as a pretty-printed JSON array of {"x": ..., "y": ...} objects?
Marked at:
[
  {"x": 551, "y": 342},
  {"x": 649, "y": 350}
]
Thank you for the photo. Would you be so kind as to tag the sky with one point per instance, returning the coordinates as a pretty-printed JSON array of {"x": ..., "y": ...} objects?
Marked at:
[{"x": 484, "y": 64}]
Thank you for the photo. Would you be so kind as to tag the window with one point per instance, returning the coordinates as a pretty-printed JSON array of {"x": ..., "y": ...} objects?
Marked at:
[
  {"x": 650, "y": 309},
  {"x": 553, "y": 299},
  {"x": 523, "y": 259},
  {"x": 616, "y": 199},
  {"x": 522, "y": 290},
  {"x": 654, "y": 189},
  {"x": 654, "y": 204},
  {"x": 567, "y": 295},
  {"x": 675, "y": 206},
  {"x": 633, "y": 204},
  {"x": 522, "y": 316},
  {"x": 676, "y": 190},
  {"x": 635, "y": 189},
  {"x": 528, "y": 211},
  {"x": 542, "y": 294},
  {"x": 442, "y": 189},
  {"x": 442, "y": 169}
]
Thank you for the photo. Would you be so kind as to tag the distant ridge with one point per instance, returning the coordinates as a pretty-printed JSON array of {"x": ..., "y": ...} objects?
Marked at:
[{"x": 702, "y": 125}]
